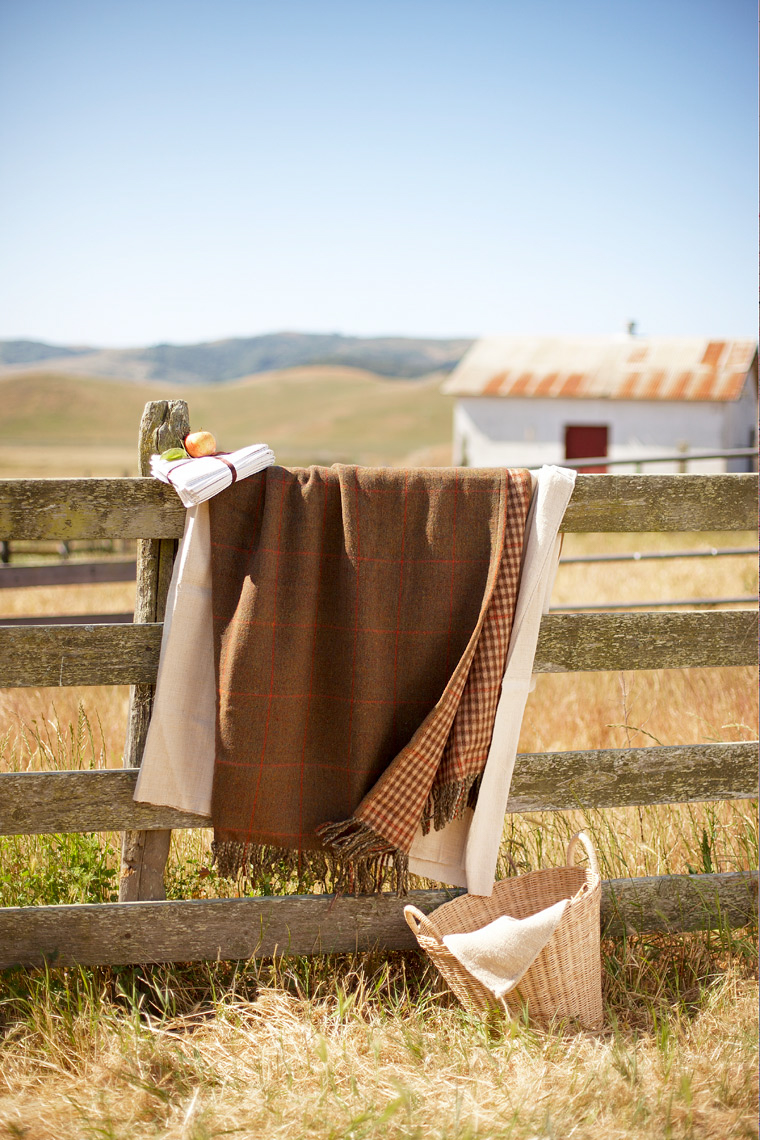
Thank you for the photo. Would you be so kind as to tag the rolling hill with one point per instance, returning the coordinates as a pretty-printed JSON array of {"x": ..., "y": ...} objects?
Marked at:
[
  {"x": 56, "y": 424},
  {"x": 224, "y": 360}
]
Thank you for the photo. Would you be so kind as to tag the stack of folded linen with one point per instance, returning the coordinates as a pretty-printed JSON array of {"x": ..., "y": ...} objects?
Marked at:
[{"x": 196, "y": 480}]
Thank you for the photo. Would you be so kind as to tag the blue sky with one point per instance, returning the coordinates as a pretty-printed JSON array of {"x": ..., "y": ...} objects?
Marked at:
[{"x": 183, "y": 170}]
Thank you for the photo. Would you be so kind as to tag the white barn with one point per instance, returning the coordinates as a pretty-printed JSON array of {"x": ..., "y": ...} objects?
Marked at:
[{"x": 524, "y": 401}]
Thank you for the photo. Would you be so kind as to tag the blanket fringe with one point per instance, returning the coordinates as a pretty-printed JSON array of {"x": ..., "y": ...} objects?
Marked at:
[
  {"x": 355, "y": 858},
  {"x": 448, "y": 802},
  {"x": 364, "y": 856},
  {"x": 276, "y": 869}
]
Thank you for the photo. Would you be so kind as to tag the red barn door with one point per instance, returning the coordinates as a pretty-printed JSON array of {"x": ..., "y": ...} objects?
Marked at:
[{"x": 587, "y": 441}]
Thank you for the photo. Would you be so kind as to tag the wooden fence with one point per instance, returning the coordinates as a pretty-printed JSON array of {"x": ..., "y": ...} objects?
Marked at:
[{"x": 144, "y": 927}]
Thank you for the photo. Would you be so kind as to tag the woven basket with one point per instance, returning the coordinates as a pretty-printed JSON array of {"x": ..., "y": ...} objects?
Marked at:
[{"x": 565, "y": 980}]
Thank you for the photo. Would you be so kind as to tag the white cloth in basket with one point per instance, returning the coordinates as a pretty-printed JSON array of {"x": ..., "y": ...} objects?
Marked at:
[
  {"x": 499, "y": 954},
  {"x": 196, "y": 480}
]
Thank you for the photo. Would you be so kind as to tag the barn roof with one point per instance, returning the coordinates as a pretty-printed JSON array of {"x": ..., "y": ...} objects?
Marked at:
[{"x": 613, "y": 367}]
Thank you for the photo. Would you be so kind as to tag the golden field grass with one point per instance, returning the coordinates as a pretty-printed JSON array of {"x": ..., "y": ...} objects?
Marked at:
[
  {"x": 68, "y": 426},
  {"x": 358, "y": 1049},
  {"x": 371, "y": 1046}
]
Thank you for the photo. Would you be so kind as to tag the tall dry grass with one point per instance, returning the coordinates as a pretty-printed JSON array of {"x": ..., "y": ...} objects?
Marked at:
[
  {"x": 360, "y": 1050},
  {"x": 372, "y": 1046}
]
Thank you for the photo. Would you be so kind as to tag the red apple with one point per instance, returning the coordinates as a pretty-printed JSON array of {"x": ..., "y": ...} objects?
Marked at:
[{"x": 199, "y": 443}]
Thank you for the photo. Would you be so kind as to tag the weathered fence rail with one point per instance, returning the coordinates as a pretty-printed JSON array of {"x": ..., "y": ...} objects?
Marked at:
[
  {"x": 37, "y": 803},
  {"x": 142, "y": 928},
  {"x": 203, "y": 929},
  {"x": 144, "y": 508},
  {"x": 39, "y": 655}
]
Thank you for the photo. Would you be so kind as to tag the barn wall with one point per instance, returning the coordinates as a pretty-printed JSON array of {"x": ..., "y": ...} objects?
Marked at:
[
  {"x": 491, "y": 431},
  {"x": 741, "y": 421}
]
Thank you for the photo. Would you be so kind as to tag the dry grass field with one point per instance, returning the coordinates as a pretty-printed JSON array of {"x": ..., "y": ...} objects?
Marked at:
[
  {"x": 68, "y": 426},
  {"x": 371, "y": 1046}
]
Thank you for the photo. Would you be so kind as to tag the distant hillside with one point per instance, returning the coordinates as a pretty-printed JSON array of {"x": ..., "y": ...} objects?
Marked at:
[
  {"x": 218, "y": 361},
  {"x": 33, "y": 351},
  {"x": 56, "y": 424}
]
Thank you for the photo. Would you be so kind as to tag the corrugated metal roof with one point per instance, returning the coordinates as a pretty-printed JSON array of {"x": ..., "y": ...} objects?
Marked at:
[{"x": 613, "y": 367}]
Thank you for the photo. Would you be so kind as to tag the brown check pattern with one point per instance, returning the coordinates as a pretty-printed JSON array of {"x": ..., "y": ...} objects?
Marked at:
[{"x": 361, "y": 624}]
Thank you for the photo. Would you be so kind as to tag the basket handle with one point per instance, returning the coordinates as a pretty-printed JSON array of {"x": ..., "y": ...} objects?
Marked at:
[
  {"x": 582, "y": 838},
  {"x": 419, "y": 923}
]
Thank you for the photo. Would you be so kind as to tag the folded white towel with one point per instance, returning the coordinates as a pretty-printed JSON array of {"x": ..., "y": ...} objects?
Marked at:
[
  {"x": 196, "y": 480},
  {"x": 499, "y": 954}
]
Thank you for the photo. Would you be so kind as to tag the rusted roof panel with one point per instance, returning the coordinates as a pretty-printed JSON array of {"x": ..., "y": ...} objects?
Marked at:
[{"x": 614, "y": 367}]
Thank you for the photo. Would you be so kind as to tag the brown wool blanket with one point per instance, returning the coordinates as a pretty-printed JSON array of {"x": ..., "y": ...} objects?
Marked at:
[{"x": 361, "y": 625}]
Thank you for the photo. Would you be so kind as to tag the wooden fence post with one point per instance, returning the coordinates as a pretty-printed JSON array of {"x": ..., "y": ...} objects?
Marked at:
[{"x": 164, "y": 424}]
